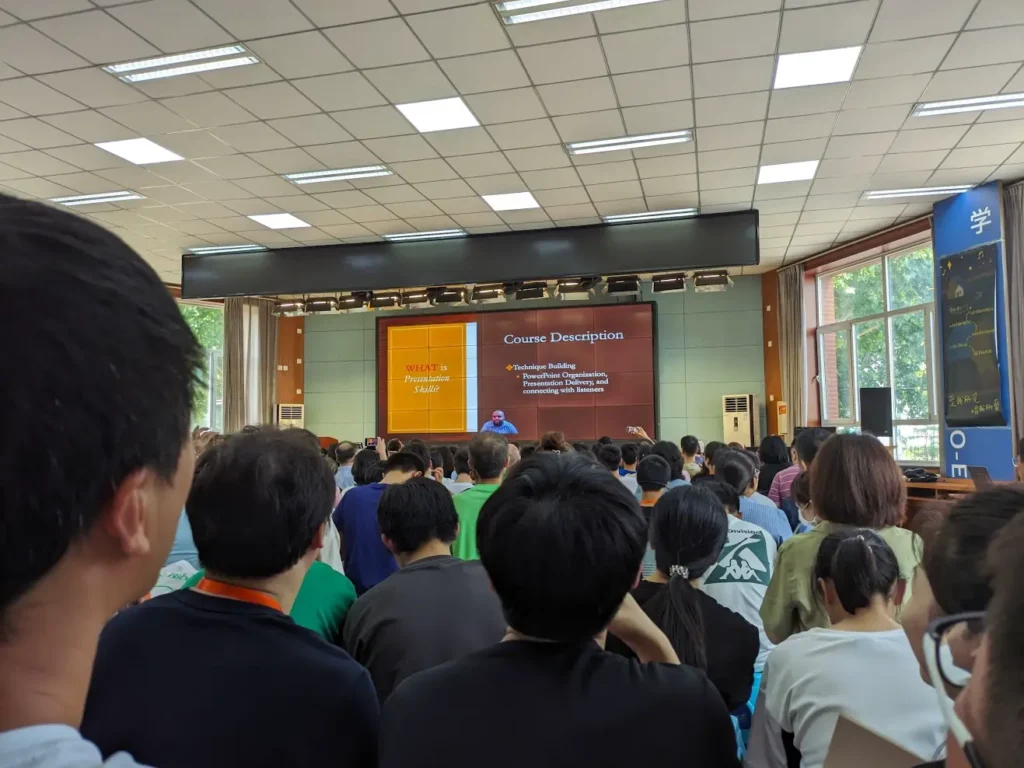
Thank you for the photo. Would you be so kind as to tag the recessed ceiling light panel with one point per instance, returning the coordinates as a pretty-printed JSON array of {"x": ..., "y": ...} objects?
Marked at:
[
  {"x": 629, "y": 142},
  {"x": 279, "y": 221},
  {"x": 509, "y": 15},
  {"x": 341, "y": 174},
  {"x": 439, "y": 234},
  {"x": 513, "y": 201},
  {"x": 943, "y": 191},
  {"x": 214, "y": 249},
  {"x": 140, "y": 151},
  {"x": 438, "y": 115},
  {"x": 816, "y": 67},
  {"x": 102, "y": 197},
  {"x": 979, "y": 104},
  {"x": 776, "y": 174},
  {"x": 183, "y": 64},
  {"x": 674, "y": 213}
]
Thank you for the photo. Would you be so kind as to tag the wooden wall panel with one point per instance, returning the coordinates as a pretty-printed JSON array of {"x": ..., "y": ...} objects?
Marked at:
[
  {"x": 291, "y": 346},
  {"x": 772, "y": 360}
]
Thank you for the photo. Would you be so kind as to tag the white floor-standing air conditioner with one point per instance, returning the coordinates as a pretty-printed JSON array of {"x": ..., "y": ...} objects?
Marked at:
[
  {"x": 741, "y": 422},
  {"x": 291, "y": 415}
]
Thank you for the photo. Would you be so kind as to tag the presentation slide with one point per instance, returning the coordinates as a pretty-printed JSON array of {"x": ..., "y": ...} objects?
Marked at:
[{"x": 586, "y": 371}]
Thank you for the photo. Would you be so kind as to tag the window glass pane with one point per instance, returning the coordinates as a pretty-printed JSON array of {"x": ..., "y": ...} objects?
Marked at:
[
  {"x": 207, "y": 323},
  {"x": 917, "y": 442},
  {"x": 835, "y": 370},
  {"x": 910, "y": 366},
  {"x": 872, "y": 369},
  {"x": 911, "y": 279},
  {"x": 851, "y": 294}
]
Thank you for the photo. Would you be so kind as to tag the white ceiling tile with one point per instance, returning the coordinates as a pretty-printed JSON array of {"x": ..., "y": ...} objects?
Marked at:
[
  {"x": 9, "y": 113},
  {"x": 899, "y": 162},
  {"x": 183, "y": 172},
  {"x": 639, "y": 17},
  {"x": 579, "y": 96},
  {"x": 900, "y": 180},
  {"x": 729, "y": 196},
  {"x": 251, "y": 137},
  {"x": 1001, "y": 115},
  {"x": 460, "y": 31},
  {"x": 558, "y": 62},
  {"x": 553, "y": 179},
  {"x": 329, "y": 13},
  {"x": 993, "y": 133},
  {"x": 928, "y": 138},
  {"x": 305, "y": 54},
  {"x": 622, "y": 190},
  {"x": 404, "y": 83},
  {"x": 36, "y": 134},
  {"x": 208, "y": 110},
  {"x": 1008, "y": 172},
  {"x": 134, "y": 177},
  {"x": 489, "y": 164},
  {"x": 731, "y": 38},
  {"x": 38, "y": 188},
  {"x": 529, "y": 133},
  {"x": 440, "y": 190},
  {"x": 29, "y": 10},
  {"x": 552, "y": 30},
  {"x": 959, "y": 176},
  {"x": 148, "y": 118},
  {"x": 172, "y": 195},
  {"x": 653, "y": 86},
  {"x": 521, "y": 220},
  {"x": 897, "y": 16},
  {"x": 39, "y": 164},
  {"x": 769, "y": 232},
  {"x": 236, "y": 77},
  {"x": 350, "y": 199},
  {"x": 606, "y": 173},
  {"x": 374, "y": 122},
  {"x": 810, "y": 100},
  {"x": 712, "y": 9},
  {"x": 905, "y": 89},
  {"x": 349, "y": 90},
  {"x": 276, "y": 100},
  {"x": 481, "y": 219},
  {"x": 670, "y": 116},
  {"x": 255, "y": 18},
  {"x": 96, "y": 36},
  {"x": 234, "y": 167},
  {"x": 92, "y": 87},
  {"x": 415, "y": 209},
  {"x": 785, "y": 205},
  {"x": 871, "y": 120},
  {"x": 647, "y": 49},
  {"x": 538, "y": 158},
  {"x": 319, "y": 218},
  {"x": 170, "y": 87},
  {"x": 833, "y": 26},
  {"x": 802, "y": 127},
  {"x": 734, "y": 135},
  {"x": 719, "y": 110},
  {"x": 225, "y": 191},
  {"x": 310, "y": 129},
  {"x": 428, "y": 223},
  {"x": 985, "y": 46},
  {"x": 30, "y": 52},
  {"x": 398, "y": 148},
  {"x": 725, "y": 159},
  {"x": 590, "y": 125},
  {"x": 31, "y": 96},
  {"x": 171, "y": 25},
  {"x": 862, "y": 144},
  {"x": 837, "y": 184},
  {"x": 10, "y": 145},
  {"x": 567, "y": 212},
  {"x": 793, "y": 151},
  {"x": 736, "y": 76},
  {"x": 996, "y": 13},
  {"x": 494, "y": 71},
  {"x": 424, "y": 170},
  {"x": 378, "y": 43},
  {"x": 639, "y": 205},
  {"x": 903, "y": 57},
  {"x": 506, "y": 106},
  {"x": 979, "y": 157},
  {"x": 461, "y": 141},
  {"x": 575, "y": 195},
  {"x": 87, "y": 157},
  {"x": 401, "y": 193},
  {"x": 502, "y": 184},
  {"x": 90, "y": 126},
  {"x": 418, "y": 6},
  {"x": 458, "y": 205},
  {"x": 736, "y": 177},
  {"x": 964, "y": 83},
  {"x": 676, "y": 165}
]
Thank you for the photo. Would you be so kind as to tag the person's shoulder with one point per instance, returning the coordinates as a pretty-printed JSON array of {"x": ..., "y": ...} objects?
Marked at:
[{"x": 801, "y": 544}]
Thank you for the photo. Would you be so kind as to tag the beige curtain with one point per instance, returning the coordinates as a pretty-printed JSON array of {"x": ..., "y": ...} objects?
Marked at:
[
  {"x": 791, "y": 342},
  {"x": 250, "y": 362},
  {"x": 1013, "y": 217}
]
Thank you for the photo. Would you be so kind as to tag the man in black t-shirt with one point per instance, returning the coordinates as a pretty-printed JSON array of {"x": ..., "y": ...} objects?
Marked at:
[
  {"x": 562, "y": 541},
  {"x": 219, "y": 675}
]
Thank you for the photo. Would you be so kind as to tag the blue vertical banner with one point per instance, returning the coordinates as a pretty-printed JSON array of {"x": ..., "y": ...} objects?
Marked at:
[{"x": 971, "y": 308}]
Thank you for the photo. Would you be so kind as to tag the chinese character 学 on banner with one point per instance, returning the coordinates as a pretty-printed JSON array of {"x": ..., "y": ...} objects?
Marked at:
[{"x": 980, "y": 219}]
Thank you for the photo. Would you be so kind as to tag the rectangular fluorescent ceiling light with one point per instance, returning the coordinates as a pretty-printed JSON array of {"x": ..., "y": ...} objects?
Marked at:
[
  {"x": 674, "y": 213},
  {"x": 979, "y": 104},
  {"x": 139, "y": 151},
  {"x": 342, "y": 174},
  {"x": 887, "y": 194},
  {"x": 183, "y": 64},
  {"x": 629, "y": 142},
  {"x": 776, "y": 174},
  {"x": 508, "y": 15},
  {"x": 279, "y": 221},
  {"x": 212, "y": 249},
  {"x": 513, "y": 201},
  {"x": 816, "y": 67},
  {"x": 438, "y": 115},
  {"x": 102, "y": 197},
  {"x": 438, "y": 234}
]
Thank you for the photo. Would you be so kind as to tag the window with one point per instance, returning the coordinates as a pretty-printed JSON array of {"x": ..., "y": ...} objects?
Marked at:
[
  {"x": 876, "y": 323},
  {"x": 207, "y": 323}
]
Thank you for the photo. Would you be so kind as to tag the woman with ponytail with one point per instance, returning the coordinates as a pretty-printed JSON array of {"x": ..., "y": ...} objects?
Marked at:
[
  {"x": 861, "y": 665},
  {"x": 688, "y": 530}
]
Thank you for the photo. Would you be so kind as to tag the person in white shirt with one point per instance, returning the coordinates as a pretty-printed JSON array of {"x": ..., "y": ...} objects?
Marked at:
[{"x": 862, "y": 666}]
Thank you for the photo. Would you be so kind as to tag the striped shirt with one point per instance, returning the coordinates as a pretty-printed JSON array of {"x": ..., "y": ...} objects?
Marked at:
[
  {"x": 782, "y": 484},
  {"x": 767, "y": 516}
]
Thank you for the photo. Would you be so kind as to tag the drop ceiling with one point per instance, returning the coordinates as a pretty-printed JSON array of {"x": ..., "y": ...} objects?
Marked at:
[{"x": 331, "y": 72}]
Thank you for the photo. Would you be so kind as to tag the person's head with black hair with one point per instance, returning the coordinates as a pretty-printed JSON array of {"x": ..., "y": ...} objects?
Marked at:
[
  {"x": 595, "y": 448},
  {"x": 562, "y": 542},
  {"x": 258, "y": 508},
  {"x": 421, "y": 449},
  {"x": 690, "y": 446},
  {"x": 604, "y": 440},
  {"x": 773, "y": 450},
  {"x": 100, "y": 370},
  {"x": 345, "y": 453},
  {"x": 527, "y": 451},
  {"x": 670, "y": 452},
  {"x": 610, "y": 457},
  {"x": 447, "y": 463},
  {"x": 463, "y": 473},
  {"x": 688, "y": 531},
  {"x": 436, "y": 460},
  {"x": 488, "y": 457},
  {"x": 394, "y": 446},
  {"x": 807, "y": 444},
  {"x": 726, "y": 494},
  {"x": 653, "y": 474},
  {"x": 629, "y": 455},
  {"x": 736, "y": 469},
  {"x": 710, "y": 451},
  {"x": 403, "y": 466},
  {"x": 856, "y": 574},
  {"x": 643, "y": 450},
  {"x": 417, "y": 519},
  {"x": 736, "y": 446},
  {"x": 580, "y": 447},
  {"x": 367, "y": 467},
  {"x": 329, "y": 451},
  {"x": 306, "y": 434}
]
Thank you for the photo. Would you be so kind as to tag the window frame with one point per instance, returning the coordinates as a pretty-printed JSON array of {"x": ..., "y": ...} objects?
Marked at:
[{"x": 886, "y": 316}]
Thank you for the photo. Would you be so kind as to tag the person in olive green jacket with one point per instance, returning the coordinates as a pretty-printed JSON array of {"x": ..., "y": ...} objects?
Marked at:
[
  {"x": 854, "y": 482},
  {"x": 488, "y": 458}
]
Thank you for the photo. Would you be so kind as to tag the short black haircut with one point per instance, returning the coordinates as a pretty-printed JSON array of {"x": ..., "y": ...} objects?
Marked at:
[
  {"x": 773, "y": 450},
  {"x": 808, "y": 442},
  {"x": 690, "y": 445},
  {"x": 99, "y": 373},
  {"x": 488, "y": 455},
  {"x": 653, "y": 473},
  {"x": 417, "y": 511},
  {"x": 580, "y": 447},
  {"x": 670, "y": 452},
  {"x": 394, "y": 445},
  {"x": 643, "y": 450},
  {"x": 257, "y": 502},
  {"x": 420, "y": 448},
  {"x": 406, "y": 461},
  {"x": 726, "y": 494},
  {"x": 367, "y": 467},
  {"x": 436, "y": 459},
  {"x": 711, "y": 449},
  {"x": 562, "y": 541},
  {"x": 604, "y": 440},
  {"x": 610, "y": 457},
  {"x": 629, "y": 453},
  {"x": 345, "y": 451},
  {"x": 462, "y": 461},
  {"x": 526, "y": 451}
]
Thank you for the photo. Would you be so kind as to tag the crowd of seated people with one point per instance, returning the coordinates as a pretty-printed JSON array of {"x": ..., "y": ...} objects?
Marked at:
[{"x": 519, "y": 602}]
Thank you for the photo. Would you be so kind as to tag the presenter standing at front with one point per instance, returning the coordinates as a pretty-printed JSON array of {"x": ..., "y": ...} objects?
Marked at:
[{"x": 499, "y": 425}]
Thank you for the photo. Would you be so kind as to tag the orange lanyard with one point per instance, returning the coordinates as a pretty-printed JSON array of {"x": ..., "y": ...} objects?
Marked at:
[{"x": 246, "y": 595}]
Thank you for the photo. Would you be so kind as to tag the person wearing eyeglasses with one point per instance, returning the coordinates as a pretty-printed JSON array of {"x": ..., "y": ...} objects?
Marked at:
[{"x": 861, "y": 665}]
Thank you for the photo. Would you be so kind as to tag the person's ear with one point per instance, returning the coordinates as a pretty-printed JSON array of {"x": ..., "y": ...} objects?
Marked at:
[
  {"x": 899, "y": 592},
  {"x": 457, "y": 529},
  {"x": 321, "y": 534},
  {"x": 827, "y": 590},
  {"x": 389, "y": 544},
  {"x": 124, "y": 519}
]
